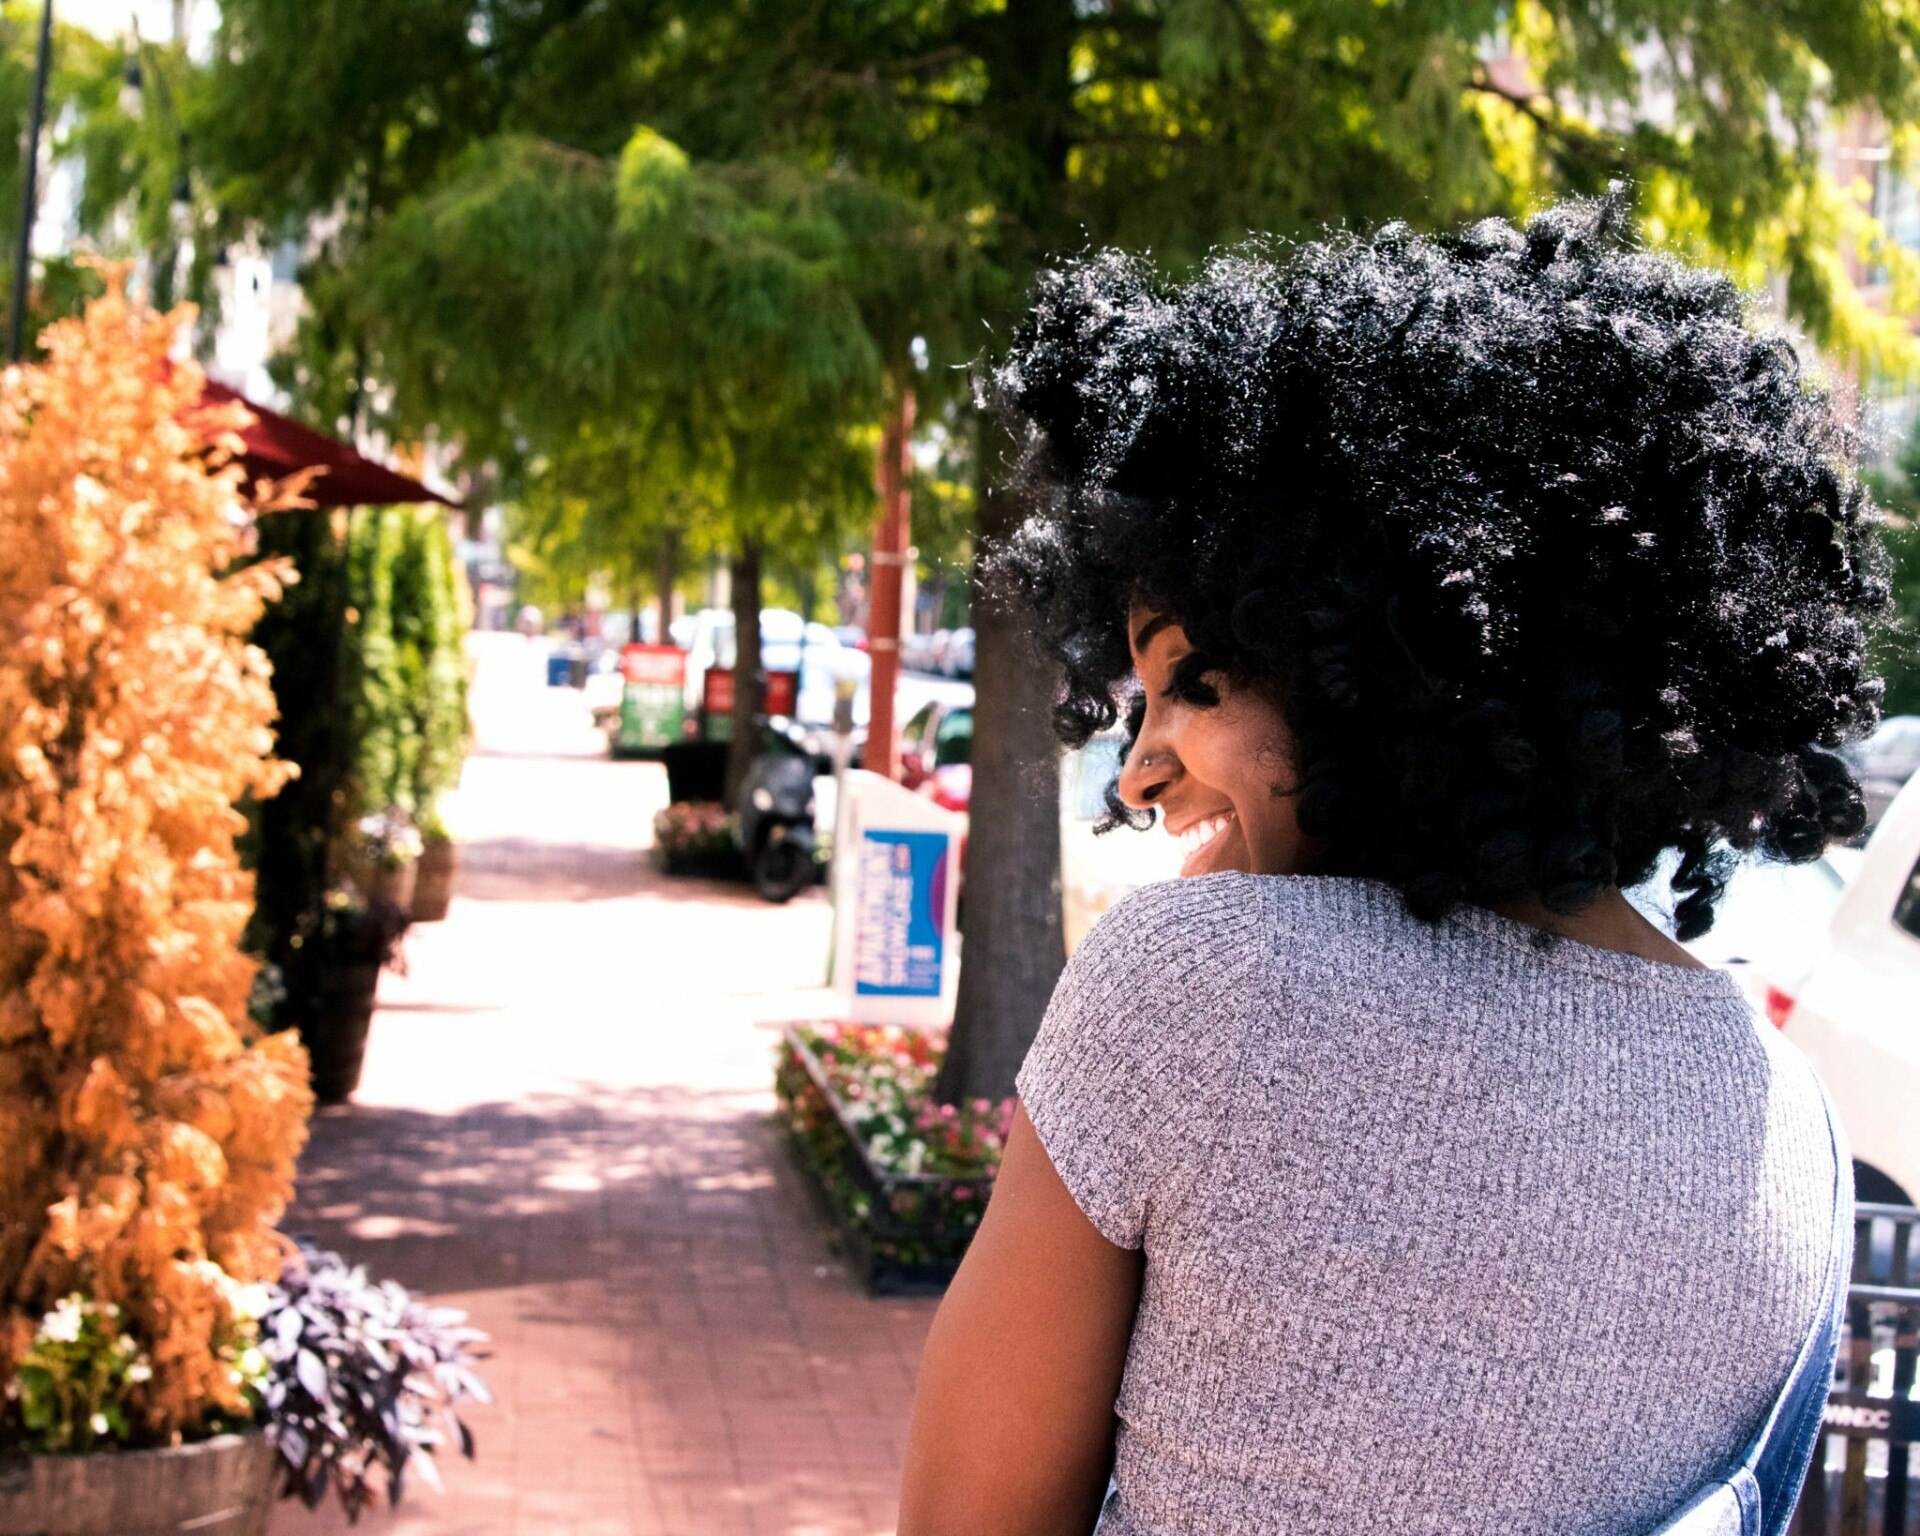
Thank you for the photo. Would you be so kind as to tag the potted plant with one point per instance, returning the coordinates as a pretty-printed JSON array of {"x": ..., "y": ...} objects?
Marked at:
[
  {"x": 348, "y": 1383},
  {"x": 903, "y": 1178},
  {"x": 148, "y": 1128},
  {"x": 343, "y": 947},
  {"x": 391, "y": 846},
  {"x": 362, "y": 1381},
  {"x": 439, "y": 860},
  {"x": 75, "y": 1394},
  {"x": 695, "y": 837}
]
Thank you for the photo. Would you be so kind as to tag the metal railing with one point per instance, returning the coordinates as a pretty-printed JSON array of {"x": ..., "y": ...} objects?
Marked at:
[{"x": 1861, "y": 1482}]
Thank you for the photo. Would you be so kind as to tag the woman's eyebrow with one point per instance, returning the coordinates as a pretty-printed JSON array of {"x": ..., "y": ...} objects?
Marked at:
[{"x": 1148, "y": 630}]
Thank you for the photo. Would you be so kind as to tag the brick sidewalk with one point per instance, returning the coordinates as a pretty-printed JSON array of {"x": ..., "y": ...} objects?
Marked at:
[{"x": 564, "y": 1126}]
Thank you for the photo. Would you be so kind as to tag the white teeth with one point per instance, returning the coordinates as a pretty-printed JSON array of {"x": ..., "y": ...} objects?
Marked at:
[{"x": 1201, "y": 833}]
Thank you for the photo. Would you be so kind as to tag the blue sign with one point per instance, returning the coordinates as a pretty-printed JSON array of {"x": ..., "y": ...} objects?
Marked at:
[{"x": 899, "y": 939}]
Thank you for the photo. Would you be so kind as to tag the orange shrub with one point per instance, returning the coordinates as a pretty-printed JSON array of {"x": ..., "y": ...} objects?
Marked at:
[{"x": 147, "y": 1138}]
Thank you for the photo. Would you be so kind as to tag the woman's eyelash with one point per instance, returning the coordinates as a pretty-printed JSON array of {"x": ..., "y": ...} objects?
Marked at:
[{"x": 1188, "y": 681}]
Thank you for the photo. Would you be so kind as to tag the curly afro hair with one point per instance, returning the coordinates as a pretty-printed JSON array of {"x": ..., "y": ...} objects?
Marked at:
[{"x": 1552, "y": 561}]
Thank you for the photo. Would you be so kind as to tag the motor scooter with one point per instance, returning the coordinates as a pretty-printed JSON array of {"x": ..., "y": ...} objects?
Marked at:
[{"x": 774, "y": 830}]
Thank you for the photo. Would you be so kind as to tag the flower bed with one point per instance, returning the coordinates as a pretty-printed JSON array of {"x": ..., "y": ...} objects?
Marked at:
[
  {"x": 356, "y": 1384},
  {"x": 695, "y": 837},
  {"x": 905, "y": 1180}
]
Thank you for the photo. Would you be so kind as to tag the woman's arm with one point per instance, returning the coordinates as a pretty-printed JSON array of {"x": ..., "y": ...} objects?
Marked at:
[{"x": 1013, "y": 1421}]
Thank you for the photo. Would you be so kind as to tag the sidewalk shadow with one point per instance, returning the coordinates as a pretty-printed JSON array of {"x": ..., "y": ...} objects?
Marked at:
[
  {"x": 597, "y": 1184},
  {"x": 667, "y": 1316},
  {"x": 529, "y": 869}
]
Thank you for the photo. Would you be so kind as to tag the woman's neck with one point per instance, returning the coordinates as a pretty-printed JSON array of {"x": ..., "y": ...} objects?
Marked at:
[{"x": 1611, "y": 922}]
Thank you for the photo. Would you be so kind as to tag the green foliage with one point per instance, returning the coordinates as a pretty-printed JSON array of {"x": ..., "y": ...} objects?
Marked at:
[
  {"x": 910, "y": 1196},
  {"x": 407, "y": 678},
  {"x": 695, "y": 242},
  {"x": 81, "y": 62},
  {"x": 711, "y": 234},
  {"x": 369, "y": 672},
  {"x": 382, "y": 672},
  {"x": 428, "y": 622},
  {"x": 1898, "y": 647},
  {"x": 304, "y": 637},
  {"x": 134, "y": 161},
  {"x": 74, "y": 1383},
  {"x": 942, "y": 486}
]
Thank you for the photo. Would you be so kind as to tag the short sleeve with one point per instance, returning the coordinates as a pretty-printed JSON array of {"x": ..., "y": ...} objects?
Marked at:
[{"x": 1122, "y": 1077}]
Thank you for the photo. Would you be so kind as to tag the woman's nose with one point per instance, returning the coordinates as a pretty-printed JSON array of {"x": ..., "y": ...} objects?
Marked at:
[{"x": 1146, "y": 773}]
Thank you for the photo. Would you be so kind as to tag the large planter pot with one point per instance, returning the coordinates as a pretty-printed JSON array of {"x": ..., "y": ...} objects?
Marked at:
[
  {"x": 696, "y": 770},
  {"x": 218, "y": 1487},
  {"x": 433, "y": 884},
  {"x": 394, "y": 883},
  {"x": 720, "y": 862},
  {"x": 335, "y": 1034}
]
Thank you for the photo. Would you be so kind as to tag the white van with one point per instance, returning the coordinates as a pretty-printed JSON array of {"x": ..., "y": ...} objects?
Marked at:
[{"x": 1857, "y": 1014}]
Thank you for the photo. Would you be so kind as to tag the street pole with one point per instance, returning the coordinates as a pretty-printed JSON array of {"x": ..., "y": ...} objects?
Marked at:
[
  {"x": 890, "y": 545},
  {"x": 30, "y": 189}
]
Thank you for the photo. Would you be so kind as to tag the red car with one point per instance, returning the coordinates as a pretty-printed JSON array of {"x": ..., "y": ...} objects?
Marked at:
[{"x": 936, "y": 751}]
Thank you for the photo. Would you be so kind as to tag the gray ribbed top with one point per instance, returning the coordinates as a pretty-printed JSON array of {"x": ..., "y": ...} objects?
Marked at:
[{"x": 1445, "y": 1231}]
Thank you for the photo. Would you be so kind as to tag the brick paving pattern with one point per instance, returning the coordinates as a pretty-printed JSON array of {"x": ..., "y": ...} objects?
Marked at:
[{"x": 565, "y": 1127}]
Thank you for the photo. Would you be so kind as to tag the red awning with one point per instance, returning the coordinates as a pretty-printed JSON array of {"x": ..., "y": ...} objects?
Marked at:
[{"x": 278, "y": 446}]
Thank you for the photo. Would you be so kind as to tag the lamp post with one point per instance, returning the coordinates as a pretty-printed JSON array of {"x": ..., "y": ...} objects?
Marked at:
[
  {"x": 30, "y": 188},
  {"x": 891, "y": 539}
]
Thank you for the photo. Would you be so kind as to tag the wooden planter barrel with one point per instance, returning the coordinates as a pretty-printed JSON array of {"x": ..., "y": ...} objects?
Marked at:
[
  {"x": 218, "y": 1487},
  {"x": 394, "y": 883},
  {"x": 336, "y": 1034},
  {"x": 433, "y": 883}
]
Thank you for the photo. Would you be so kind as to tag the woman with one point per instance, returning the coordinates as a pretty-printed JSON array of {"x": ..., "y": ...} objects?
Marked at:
[{"x": 1391, "y": 1172}]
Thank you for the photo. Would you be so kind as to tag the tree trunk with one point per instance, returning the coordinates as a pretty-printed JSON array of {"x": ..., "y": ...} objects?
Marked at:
[
  {"x": 666, "y": 571},
  {"x": 1014, "y": 944},
  {"x": 746, "y": 664}
]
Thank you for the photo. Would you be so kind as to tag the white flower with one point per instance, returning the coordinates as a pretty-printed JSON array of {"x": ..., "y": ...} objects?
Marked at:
[
  {"x": 250, "y": 1302},
  {"x": 62, "y": 1324},
  {"x": 98, "y": 1423},
  {"x": 139, "y": 1371}
]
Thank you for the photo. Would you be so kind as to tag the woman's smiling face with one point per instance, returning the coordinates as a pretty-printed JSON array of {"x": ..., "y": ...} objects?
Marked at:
[{"x": 1210, "y": 757}]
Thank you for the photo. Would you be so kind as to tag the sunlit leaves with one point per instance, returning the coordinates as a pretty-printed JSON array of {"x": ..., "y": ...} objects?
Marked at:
[{"x": 146, "y": 1140}]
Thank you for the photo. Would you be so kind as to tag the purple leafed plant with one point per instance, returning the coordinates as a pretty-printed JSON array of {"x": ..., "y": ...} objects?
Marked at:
[{"x": 364, "y": 1375}]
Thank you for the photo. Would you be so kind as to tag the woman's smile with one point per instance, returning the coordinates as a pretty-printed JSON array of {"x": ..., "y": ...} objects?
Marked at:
[
  {"x": 1211, "y": 757},
  {"x": 1210, "y": 844}
]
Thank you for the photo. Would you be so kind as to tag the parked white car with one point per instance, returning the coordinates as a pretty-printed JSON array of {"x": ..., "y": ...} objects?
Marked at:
[
  {"x": 1857, "y": 1014},
  {"x": 1771, "y": 925}
]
